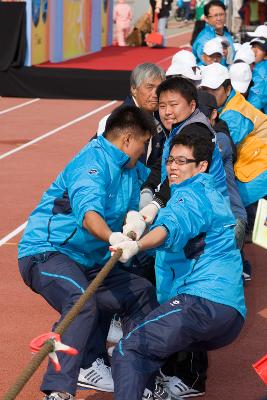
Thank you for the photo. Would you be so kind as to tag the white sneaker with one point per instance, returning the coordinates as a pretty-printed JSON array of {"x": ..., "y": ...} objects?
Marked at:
[
  {"x": 115, "y": 331},
  {"x": 97, "y": 377},
  {"x": 177, "y": 388},
  {"x": 147, "y": 395},
  {"x": 58, "y": 396}
]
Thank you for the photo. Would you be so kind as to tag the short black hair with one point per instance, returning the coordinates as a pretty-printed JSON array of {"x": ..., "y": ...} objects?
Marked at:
[
  {"x": 130, "y": 118},
  {"x": 226, "y": 83},
  {"x": 181, "y": 85},
  {"x": 212, "y": 3},
  {"x": 206, "y": 102},
  {"x": 201, "y": 144}
]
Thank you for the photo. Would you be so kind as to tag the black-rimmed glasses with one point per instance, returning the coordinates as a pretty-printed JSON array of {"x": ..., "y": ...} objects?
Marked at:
[{"x": 180, "y": 160}]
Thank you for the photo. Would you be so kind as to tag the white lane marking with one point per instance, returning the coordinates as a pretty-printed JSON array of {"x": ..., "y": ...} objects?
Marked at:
[
  {"x": 50, "y": 133},
  {"x": 10, "y": 235},
  {"x": 18, "y": 106}
]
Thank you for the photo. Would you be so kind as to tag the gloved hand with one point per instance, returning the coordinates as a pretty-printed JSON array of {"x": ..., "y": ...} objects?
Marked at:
[
  {"x": 117, "y": 237},
  {"x": 150, "y": 212},
  {"x": 145, "y": 198},
  {"x": 134, "y": 223},
  {"x": 129, "y": 248}
]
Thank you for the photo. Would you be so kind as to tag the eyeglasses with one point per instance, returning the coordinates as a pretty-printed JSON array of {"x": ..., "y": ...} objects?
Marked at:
[
  {"x": 180, "y": 160},
  {"x": 220, "y": 15}
]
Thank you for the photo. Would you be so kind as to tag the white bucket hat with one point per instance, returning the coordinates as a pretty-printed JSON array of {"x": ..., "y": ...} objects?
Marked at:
[
  {"x": 245, "y": 53},
  {"x": 260, "y": 31},
  {"x": 214, "y": 75},
  {"x": 213, "y": 46},
  {"x": 240, "y": 75},
  {"x": 193, "y": 73},
  {"x": 185, "y": 57}
]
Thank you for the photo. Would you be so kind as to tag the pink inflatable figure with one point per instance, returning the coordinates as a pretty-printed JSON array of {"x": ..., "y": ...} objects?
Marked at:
[{"x": 122, "y": 17}]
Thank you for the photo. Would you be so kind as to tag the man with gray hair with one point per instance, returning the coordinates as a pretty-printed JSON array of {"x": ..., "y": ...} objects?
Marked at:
[{"x": 144, "y": 80}]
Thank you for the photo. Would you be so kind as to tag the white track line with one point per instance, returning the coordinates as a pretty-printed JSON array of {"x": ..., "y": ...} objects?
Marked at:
[
  {"x": 18, "y": 106},
  {"x": 50, "y": 133},
  {"x": 10, "y": 235},
  {"x": 20, "y": 228}
]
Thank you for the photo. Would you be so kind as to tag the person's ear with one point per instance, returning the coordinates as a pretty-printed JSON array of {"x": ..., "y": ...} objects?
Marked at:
[
  {"x": 203, "y": 166},
  {"x": 228, "y": 90},
  {"x": 126, "y": 139},
  {"x": 193, "y": 105},
  {"x": 133, "y": 91}
]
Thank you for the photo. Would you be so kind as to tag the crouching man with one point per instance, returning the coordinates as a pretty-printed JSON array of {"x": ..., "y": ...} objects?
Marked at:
[
  {"x": 66, "y": 241},
  {"x": 198, "y": 272}
]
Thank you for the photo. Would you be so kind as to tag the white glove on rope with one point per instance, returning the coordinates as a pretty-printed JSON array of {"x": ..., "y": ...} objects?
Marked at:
[
  {"x": 150, "y": 212},
  {"x": 146, "y": 197},
  {"x": 134, "y": 223},
  {"x": 129, "y": 248},
  {"x": 117, "y": 237}
]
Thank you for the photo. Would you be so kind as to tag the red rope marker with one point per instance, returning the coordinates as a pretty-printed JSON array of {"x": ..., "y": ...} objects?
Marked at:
[
  {"x": 38, "y": 342},
  {"x": 261, "y": 368}
]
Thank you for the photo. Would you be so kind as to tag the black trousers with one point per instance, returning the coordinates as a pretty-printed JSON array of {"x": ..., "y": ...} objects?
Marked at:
[{"x": 61, "y": 281}]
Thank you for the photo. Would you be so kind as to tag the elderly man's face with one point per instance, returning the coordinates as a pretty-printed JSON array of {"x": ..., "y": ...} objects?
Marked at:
[
  {"x": 216, "y": 17},
  {"x": 145, "y": 94}
]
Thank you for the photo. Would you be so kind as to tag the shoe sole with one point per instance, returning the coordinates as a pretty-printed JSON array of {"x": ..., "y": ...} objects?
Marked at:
[{"x": 87, "y": 386}]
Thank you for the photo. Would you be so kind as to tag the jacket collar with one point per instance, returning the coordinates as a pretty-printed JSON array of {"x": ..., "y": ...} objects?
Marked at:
[
  {"x": 118, "y": 156},
  {"x": 204, "y": 178},
  {"x": 212, "y": 29},
  {"x": 176, "y": 126}
]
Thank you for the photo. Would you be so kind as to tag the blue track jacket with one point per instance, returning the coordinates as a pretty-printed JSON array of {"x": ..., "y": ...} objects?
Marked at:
[
  {"x": 204, "y": 36},
  {"x": 96, "y": 179},
  {"x": 257, "y": 94},
  {"x": 199, "y": 256}
]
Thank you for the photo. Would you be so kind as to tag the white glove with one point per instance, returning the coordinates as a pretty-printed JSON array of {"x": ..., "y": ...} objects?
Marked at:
[
  {"x": 146, "y": 197},
  {"x": 150, "y": 212},
  {"x": 117, "y": 237},
  {"x": 129, "y": 248},
  {"x": 134, "y": 223}
]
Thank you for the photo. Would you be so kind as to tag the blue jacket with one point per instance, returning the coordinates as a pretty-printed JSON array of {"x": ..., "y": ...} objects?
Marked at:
[
  {"x": 204, "y": 36},
  {"x": 239, "y": 127},
  {"x": 95, "y": 180},
  {"x": 216, "y": 168},
  {"x": 199, "y": 256},
  {"x": 226, "y": 151},
  {"x": 257, "y": 94}
]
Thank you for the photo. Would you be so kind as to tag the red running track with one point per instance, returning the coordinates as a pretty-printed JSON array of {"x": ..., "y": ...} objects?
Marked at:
[{"x": 24, "y": 174}]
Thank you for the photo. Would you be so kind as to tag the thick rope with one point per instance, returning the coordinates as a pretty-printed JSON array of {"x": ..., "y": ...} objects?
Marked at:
[{"x": 48, "y": 346}]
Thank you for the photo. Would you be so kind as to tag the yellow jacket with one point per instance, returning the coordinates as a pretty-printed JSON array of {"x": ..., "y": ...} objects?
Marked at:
[{"x": 252, "y": 150}]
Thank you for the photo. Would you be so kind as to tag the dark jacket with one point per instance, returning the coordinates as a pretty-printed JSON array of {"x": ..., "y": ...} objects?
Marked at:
[
  {"x": 165, "y": 8},
  {"x": 157, "y": 141}
]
